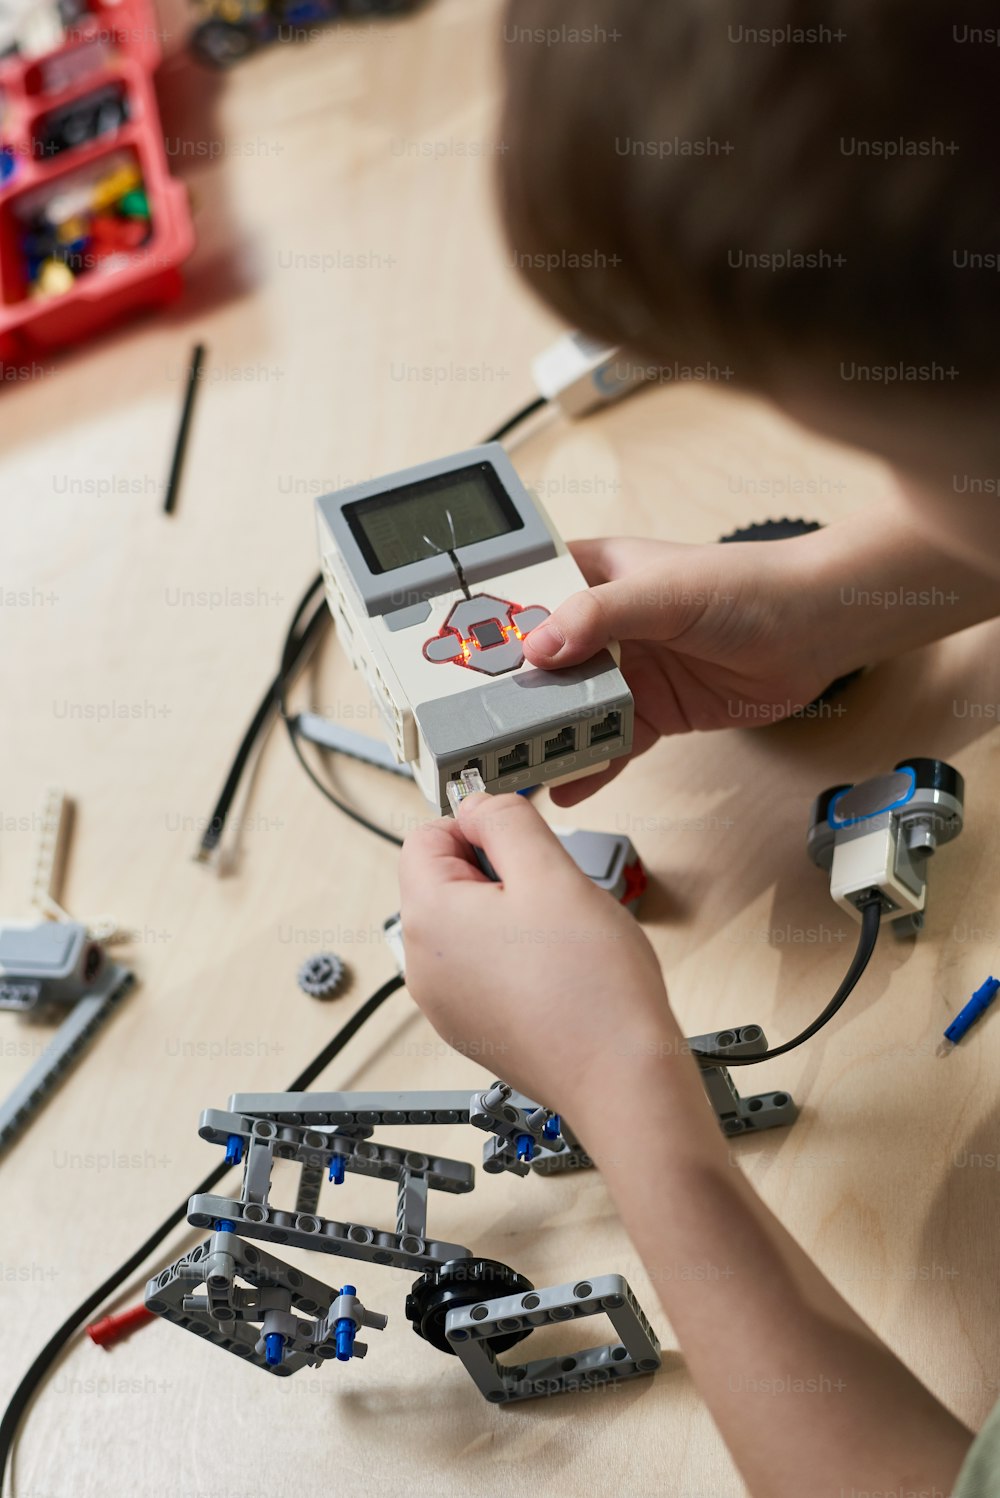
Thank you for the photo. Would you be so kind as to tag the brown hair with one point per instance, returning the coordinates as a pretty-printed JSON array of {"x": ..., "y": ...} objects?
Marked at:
[{"x": 657, "y": 152}]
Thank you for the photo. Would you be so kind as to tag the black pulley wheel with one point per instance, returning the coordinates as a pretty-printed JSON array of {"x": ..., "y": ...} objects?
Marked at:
[{"x": 462, "y": 1282}]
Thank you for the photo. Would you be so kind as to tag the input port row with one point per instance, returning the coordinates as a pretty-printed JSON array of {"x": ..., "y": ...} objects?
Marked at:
[{"x": 548, "y": 747}]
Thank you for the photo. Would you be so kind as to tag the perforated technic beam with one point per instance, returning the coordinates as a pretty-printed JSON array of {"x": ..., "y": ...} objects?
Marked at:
[
  {"x": 273, "y": 1299},
  {"x": 740, "y": 1115},
  {"x": 637, "y": 1351}
]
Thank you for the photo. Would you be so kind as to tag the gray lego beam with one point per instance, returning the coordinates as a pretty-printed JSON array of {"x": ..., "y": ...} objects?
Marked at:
[
  {"x": 736, "y": 1114},
  {"x": 314, "y": 1148},
  {"x": 411, "y": 1205},
  {"x": 351, "y": 1240},
  {"x": 637, "y": 1351},
  {"x": 79, "y": 1027},
  {"x": 371, "y": 1110},
  {"x": 309, "y": 1188},
  {"x": 328, "y": 735}
]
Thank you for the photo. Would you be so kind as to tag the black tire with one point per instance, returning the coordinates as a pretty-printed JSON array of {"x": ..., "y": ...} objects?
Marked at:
[
  {"x": 376, "y": 7},
  {"x": 221, "y": 44},
  {"x": 935, "y": 775},
  {"x": 785, "y": 530},
  {"x": 462, "y": 1282}
]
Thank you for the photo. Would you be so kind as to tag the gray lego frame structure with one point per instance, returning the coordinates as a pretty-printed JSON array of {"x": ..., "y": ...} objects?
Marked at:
[
  {"x": 282, "y": 1320},
  {"x": 636, "y": 1351},
  {"x": 736, "y": 1114},
  {"x": 54, "y": 966},
  {"x": 251, "y": 1297},
  {"x": 271, "y": 1293}
]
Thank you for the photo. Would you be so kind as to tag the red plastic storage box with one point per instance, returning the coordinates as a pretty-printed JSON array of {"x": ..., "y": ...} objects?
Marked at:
[{"x": 105, "y": 211}]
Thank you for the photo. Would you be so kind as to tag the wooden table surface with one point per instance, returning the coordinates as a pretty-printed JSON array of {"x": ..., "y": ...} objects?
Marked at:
[{"x": 361, "y": 313}]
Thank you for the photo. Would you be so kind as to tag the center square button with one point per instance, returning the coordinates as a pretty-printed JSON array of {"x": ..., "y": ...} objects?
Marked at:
[{"x": 487, "y": 633}]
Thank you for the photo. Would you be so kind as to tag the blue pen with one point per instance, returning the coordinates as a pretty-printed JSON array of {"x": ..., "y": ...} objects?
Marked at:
[{"x": 966, "y": 1018}]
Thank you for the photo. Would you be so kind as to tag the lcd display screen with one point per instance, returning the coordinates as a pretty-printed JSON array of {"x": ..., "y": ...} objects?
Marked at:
[{"x": 436, "y": 515}]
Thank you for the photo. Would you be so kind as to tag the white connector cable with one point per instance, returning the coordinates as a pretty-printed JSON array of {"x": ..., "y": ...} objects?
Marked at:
[{"x": 578, "y": 373}]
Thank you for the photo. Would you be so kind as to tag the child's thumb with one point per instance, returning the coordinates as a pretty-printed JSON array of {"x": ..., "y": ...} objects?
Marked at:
[{"x": 589, "y": 621}]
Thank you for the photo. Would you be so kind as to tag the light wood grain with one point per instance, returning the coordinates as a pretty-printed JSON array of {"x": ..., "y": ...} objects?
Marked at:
[{"x": 310, "y": 383}]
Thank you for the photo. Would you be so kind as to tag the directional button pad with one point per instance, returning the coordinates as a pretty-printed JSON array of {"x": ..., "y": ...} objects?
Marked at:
[{"x": 484, "y": 634}]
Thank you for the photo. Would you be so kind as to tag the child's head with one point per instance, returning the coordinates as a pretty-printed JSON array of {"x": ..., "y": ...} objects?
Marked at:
[{"x": 801, "y": 194}]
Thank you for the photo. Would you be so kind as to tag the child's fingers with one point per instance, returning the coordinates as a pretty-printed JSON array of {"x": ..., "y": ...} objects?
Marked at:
[
  {"x": 435, "y": 855},
  {"x": 643, "y": 606},
  {"x": 519, "y": 845}
]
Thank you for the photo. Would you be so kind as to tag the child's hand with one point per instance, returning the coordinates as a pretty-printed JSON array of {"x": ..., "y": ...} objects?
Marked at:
[
  {"x": 712, "y": 636},
  {"x": 543, "y": 977},
  {"x": 740, "y": 635}
]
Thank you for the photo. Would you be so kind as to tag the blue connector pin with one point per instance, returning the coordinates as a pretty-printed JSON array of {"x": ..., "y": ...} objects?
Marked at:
[
  {"x": 234, "y": 1150},
  {"x": 274, "y": 1349},
  {"x": 337, "y": 1168},
  {"x": 344, "y": 1330},
  {"x": 966, "y": 1018},
  {"x": 552, "y": 1127},
  {"x": 525, "y": 1147}
]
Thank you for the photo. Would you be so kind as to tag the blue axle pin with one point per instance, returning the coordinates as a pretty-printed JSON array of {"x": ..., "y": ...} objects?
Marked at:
[
  {"x": 344, "y": 1329},
  {"x": 967, "y": 1016}
]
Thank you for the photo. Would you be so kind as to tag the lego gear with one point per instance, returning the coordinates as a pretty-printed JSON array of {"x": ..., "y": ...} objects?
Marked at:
[
  {"x": 462, "y": 1282},
  {"x": 322, "y": 976},
  {"x": 784, "y": 530},
  {"x": 773, "y": 530}
]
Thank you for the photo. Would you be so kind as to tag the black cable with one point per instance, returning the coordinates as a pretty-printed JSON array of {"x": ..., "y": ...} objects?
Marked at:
[
  {"x": 184, "y": 428},
  {"x": 270, "y": 701},
  {"x": 517, "y": 418},
  {"x": 268, "y": 704},
  {"x": 282, "y": 680},
  {"x": 22, "y": 1395},
  {"x": 871, "y": 916}
]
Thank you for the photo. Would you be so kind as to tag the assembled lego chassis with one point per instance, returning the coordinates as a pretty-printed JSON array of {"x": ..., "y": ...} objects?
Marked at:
[
  {"x": 873, "y": 838},
  {"x": 270, "y": 1314}
]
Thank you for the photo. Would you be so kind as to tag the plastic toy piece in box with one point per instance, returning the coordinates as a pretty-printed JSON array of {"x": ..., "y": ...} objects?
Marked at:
[
  {"x": 231, "y": 29},
  {"x": 92, "y": 226},
  {"x": 101, "y": 112}
]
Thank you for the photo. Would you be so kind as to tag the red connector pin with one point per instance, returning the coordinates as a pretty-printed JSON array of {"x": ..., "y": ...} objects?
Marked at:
[{"x": 111, "y": 1329}]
